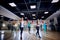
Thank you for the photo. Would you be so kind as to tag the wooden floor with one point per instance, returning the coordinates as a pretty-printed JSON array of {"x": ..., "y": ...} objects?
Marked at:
[
  {"x": 15, "y": 35},
  {"x": 52, "y": 35}
]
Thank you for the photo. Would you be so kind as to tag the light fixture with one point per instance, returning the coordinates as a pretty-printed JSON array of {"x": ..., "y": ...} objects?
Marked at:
[
  {"x": 3, "y": 25},
  {"x": 42, "y": 17},
  {"x": 33, "y": 14},
  {"x": 22, "y": 13},
  {"x": 25, "y": 17},
  {"x": 12, "y": 4},
  {"x": 54, "y": 1},
  {"x": 33, "y": 18},
  {"x": 46, "y": 12},
  {"x": 33, "y": 6}
]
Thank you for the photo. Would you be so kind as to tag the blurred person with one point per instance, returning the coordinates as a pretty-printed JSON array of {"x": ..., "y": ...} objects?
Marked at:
[
  {"x": 29, "y": 26},
  {"x": 32, "y": 27},
  {"x": 45, "y": 27},
  {"x": 13, "y": 26},
  {"x": 16, "y": 25},
  {"x": 41, "y": 28},
  {"x": 41, "y": 25},
  {"x": 25, "y": 25},
  {"x": 21, "y": 27},
  {"x": 9, "y": 25},
  {"x": 15, "y": 29},
  {"x": 37, "y": 28},
  {"x": 1, "y": 24}
]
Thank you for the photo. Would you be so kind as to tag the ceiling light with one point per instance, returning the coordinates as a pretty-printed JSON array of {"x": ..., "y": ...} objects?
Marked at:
[
  {"x": 42, "y": 17},
  {"x": 54, "y": 1},
  {"x": 12, "y": 4},
  {"x": 33, "y": 18},
  {"x": 33, "y": 14},
  {"x": 46, "y": 12},
  {"x": 25, "y": 17},
  {"x": 33, "y": 6},
  {"x": 22, "y": 13}
]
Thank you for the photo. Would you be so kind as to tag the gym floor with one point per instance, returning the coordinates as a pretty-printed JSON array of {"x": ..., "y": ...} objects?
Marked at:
[{"x": 15, "y": 35}]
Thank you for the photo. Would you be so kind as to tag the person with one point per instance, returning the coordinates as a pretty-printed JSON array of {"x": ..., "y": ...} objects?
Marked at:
[
  {"x": 29, "y": 26},
  {"x": 45, "y": 27},
  {"x": 9, "y": 26},
  {"x": 21, "y": 27},
  {"x": 1, "y": 24},
  {"x": 40, "y": 29},
  {"x": 14, "y": 25},
  {"x": 37, "y": 28},
  {"x": 25, "y": 25}
]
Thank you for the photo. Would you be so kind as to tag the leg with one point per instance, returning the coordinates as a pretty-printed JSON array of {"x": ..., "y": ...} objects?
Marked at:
[
  {"x": 21, "y": 31},
  {"x": 29, "y": 29},
  {"x": 38, "y": 32}
]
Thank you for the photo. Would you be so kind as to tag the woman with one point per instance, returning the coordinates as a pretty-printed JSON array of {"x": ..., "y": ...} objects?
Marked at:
[
  {"x": 37, "y": 28},
  {"x": 45, "y": 27},
  {"x": 21, "y": 26},
  {"x": 29, "y": 26}
]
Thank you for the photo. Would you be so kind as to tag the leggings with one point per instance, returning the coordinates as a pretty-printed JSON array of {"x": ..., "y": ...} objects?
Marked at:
[
  {"x": 29, "y": 28},
  {"x": 37, "y": 28},
  {"x": 21, "y": 31}
]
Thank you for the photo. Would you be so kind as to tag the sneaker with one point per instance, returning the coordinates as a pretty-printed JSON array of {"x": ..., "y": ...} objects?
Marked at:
[
  {"x": 20, "y": 38},
  {"x": 39, "y": 37}
]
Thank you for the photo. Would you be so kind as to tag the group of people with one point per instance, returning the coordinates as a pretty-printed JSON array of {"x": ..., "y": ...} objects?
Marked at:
[{"x": 21, "y": 26}]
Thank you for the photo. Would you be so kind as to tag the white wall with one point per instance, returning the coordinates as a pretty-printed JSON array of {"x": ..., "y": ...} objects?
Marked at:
[{"x": 56, "y": 14}]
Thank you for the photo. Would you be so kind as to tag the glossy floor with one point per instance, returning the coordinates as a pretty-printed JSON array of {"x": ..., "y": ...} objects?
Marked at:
[{"x": 15, "y": 35}]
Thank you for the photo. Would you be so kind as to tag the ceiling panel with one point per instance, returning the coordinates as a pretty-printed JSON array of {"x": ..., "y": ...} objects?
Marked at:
[{"x": 23, "y": 6}]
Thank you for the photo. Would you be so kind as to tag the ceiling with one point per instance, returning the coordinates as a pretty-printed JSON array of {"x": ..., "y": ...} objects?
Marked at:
[
  {"x": 4, "y": 18},
  {"x": 23, "y": 6}
]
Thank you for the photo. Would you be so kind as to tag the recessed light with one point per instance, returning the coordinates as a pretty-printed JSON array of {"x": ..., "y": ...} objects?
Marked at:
[
  {"x": 54, "y": 1},
  {"x": 33, "y": 14},
  {"x": 12, "y": 4},
  {"x": 33, "y": 6},
  {"x": 46, "y": 12},
  {"x": 22, "y": 13},
  {"x": 42, "y": 17}
]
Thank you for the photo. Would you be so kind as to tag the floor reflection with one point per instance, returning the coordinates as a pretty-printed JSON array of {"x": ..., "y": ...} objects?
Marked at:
[
  {"x": 15, "y": 35},
  {"x": 2, "y": 35}
]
